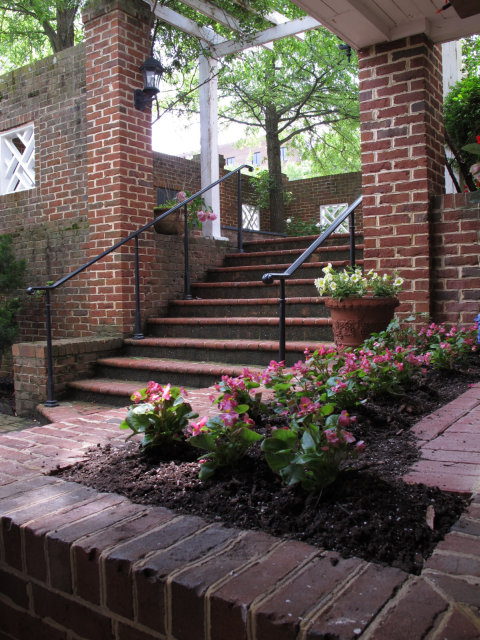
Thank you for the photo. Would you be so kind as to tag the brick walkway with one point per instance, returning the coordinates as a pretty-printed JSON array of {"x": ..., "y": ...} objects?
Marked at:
[{"x": 75, "y": 561}]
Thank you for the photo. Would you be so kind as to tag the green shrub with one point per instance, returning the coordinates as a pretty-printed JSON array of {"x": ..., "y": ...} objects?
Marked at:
[{"x": 462, "y": 114}]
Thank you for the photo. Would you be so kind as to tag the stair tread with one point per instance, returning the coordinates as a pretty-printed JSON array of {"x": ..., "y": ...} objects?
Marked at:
[
  {"x": 247, "y": 301},
  {"x": 240, "y": 320},
  {"x": 277, "y": 267},
  {"x": 291, "y": 239},
  {"x": 282, "y": 252},
  {"x": 249, "y": 283},
  {"x": 169, "y": 365},
  {"x": 211, "y": 343}
]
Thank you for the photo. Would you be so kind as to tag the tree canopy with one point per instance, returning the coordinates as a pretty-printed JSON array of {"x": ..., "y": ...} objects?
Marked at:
[{"x": 31, "y": 29}]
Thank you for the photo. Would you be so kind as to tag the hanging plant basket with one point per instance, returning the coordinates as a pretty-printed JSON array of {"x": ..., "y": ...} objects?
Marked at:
[
  {"x": 172, "y": 225},
  {"x": 355, "y": 319}
]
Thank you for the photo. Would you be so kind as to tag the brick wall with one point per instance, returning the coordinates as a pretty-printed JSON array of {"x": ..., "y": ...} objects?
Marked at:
[
  {"x": 49, "y": 222},
  {"x": 402, "y": 159},
  {"x": 308, "y": 195},
  {"x": 456, "y": 270}
]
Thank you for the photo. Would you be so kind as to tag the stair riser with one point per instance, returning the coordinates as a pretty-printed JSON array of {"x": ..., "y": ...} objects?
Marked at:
[
  {"x": 297, "y": 243},
  {"x": 77, "y": 395},
  {"x": 318, "y": 256},
  {"x": 182, "y": 379},
  {"x": 252, "y": 275},
  {"x": 243, "y": 332},
  {"x": 260, "y": 291},
  {"x": 249, "y": 310},
  {"x": 244, "y": 357}
]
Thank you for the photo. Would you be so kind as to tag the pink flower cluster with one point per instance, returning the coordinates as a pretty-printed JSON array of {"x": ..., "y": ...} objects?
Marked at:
[{"x": 203, "y": 216}]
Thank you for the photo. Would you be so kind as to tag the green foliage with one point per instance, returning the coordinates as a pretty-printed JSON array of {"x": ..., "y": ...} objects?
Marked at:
[
  {"x": 161, "y": 414},
  {"x": 12, "y": 272},
  {"x": 262, "y": 183},
  {"x": 471, "y": 55},
  {"x": 31, "y": 30},
  {"x": 297, "y": 227},
  {"x": 462, "y": 114}
]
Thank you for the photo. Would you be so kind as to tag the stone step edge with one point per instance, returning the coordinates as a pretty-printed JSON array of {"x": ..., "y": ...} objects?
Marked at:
[
  {"x": 250, "y": 283},
  {"x": 283, "y": 252},
  {"x": 225, "y": 345},
  {"x": 279, "y": 267},
  {"x": 291, "y": 239},
  {"x": 246, "y": 301},
  {"x": 241, "y": 321},
  {"x": 166, "y": 365}
]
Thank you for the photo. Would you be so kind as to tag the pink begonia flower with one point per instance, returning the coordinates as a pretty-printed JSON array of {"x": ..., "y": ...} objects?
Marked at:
[
  {"x": 137, "y": 397},
  {"x": 230, "y": 419},
  {"x": 360, "y": 446},
  {"x": 348, "y": 437},
  {"x": 332, "y": 437},
  {"x": 181, "y": 196},
  {"x": 154, "y": 387},
  {"x": 202, "y": 216},
  {"x": 344, "y": 419},
  {"x": 248, "y": 421},
  {"x": 227, "y": 403},
  {"x": 196, "y": 427},
  {"x": 211, "y": 215},
  {"x": 166, "y": 392}
]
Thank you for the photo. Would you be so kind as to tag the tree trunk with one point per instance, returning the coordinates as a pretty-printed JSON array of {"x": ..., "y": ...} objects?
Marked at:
[
  {"x": 64, "y": 36},
  {"x": 277, "y": 209}
]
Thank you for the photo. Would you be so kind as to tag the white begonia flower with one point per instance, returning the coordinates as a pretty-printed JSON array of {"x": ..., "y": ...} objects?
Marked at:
[
  {"x": 333, "y": 285},
  {"x": 398, "y": 281},
  {"x": 289, "y": 220},
  {"x": 328, "y": 268}
]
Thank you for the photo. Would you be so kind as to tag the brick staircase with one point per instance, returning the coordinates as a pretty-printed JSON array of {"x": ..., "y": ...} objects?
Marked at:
[{"x": 232, "y": 322}]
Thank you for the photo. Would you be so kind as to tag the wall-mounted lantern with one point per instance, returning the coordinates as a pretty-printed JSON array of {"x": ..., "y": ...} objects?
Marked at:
[{"x": 152, "y": 72}]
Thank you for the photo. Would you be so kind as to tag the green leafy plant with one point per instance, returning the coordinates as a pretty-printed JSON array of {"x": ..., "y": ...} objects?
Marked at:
[
  {"x": 353, "y": 283},
  {"x": 461, "y": 112},
  {"x": 262, "y": 183},
  {"x": 297, "y": 227},
  {"x": 225, "y": 438},
  {"x": 160, "y": 413},
  {"x": 311, "y": 450}
]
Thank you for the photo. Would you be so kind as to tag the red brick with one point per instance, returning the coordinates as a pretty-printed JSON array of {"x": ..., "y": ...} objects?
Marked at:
[
  {"x": 118, "y": 576},
  {"x": 229, "y": 604},
  {"x": 460, "y": 625},
  {"x": 150, "y": 577},
  {"x": 279, "y": 616},
  {"x": 413, "y": 614},
  {"x": 188, "y": 588},
  {"x": 357, "y": 606},
  {"x": 18, "y": 623}
]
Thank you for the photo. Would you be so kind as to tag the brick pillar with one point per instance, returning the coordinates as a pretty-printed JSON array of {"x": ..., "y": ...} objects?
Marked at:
[
  {"x": 402, "y": 159},
  {"x": 120, "y": 159}
]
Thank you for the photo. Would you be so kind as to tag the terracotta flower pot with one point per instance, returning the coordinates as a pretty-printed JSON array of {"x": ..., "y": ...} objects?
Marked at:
[
  {"x": 355, "y": 319},
  {"x": 172, "y": 225}
]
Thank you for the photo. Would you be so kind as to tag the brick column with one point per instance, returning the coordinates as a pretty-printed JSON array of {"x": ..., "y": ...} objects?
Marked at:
[
  {"x": 120, "y": 161},
  {"x": 402, "y": 159}
]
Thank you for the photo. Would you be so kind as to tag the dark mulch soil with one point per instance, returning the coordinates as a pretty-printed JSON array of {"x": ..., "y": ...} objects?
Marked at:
[
  {"x": 7, "y": 397},
  {"x": 368, "y": 512}
]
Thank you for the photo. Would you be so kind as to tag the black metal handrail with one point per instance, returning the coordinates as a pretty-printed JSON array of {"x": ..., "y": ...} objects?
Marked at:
[
  {"x": 138, "y": 335},
  {"x": 269, "y": 278}
]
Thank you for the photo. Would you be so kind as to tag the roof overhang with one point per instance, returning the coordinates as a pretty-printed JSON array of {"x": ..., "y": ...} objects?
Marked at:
[{"x": 362, "y": 23}]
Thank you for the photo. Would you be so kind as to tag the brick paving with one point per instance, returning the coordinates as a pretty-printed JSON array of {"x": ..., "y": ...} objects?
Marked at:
[{"x": 95, "y": 562}]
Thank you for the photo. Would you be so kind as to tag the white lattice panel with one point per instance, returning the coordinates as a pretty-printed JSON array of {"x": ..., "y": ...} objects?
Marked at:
[
  {"x": 17, "y": 160},
  {"x": 250, "y": 217},
  {"x": 328, "y": 213}
]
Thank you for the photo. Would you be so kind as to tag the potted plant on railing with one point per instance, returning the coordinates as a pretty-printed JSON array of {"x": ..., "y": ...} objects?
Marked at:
[
  {"x": 174, "y": 224},
  {"x": 359, "y": 304}
]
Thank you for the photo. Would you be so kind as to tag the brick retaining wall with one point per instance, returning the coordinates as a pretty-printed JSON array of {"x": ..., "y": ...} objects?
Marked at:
[{"x": 75, "y": 561}]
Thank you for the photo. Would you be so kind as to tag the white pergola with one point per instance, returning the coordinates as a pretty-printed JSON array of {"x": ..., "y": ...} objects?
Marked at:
[
  {"x": 216, "y": 47},
  {"x": 359, "y": 23}
]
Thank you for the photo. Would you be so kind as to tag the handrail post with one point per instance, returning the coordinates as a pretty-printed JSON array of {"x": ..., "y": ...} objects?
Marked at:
[
  {"x": 281, "y": 319},
  {"x": 352, "y": 237},
  {"x": 51, "y": 402},
  {"x": 239, "y": 213},
  {"x": 138, "y": 335},
  {"x": 186, "y": 277}
]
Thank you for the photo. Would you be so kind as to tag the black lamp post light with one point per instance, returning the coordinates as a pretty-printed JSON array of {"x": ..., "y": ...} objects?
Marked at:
[{"x": 152, "y": 72}]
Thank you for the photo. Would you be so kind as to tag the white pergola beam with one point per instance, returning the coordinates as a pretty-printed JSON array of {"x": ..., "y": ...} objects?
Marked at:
[
  {"x": 187, "y": 25},
  {"x": 268, "y": 35}
]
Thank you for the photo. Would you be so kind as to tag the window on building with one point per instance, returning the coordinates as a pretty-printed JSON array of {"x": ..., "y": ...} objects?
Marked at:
[
  {"x": 17, "y": 160},
  {"x": 230, "y": 161},
  {"x": 328, "y": 213},
  {"x": 256, "y": 159},
  {"x": 164, "y": 195},
  {"x": 250, "y": 217},
  {"x": 283, "y": 153}
]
